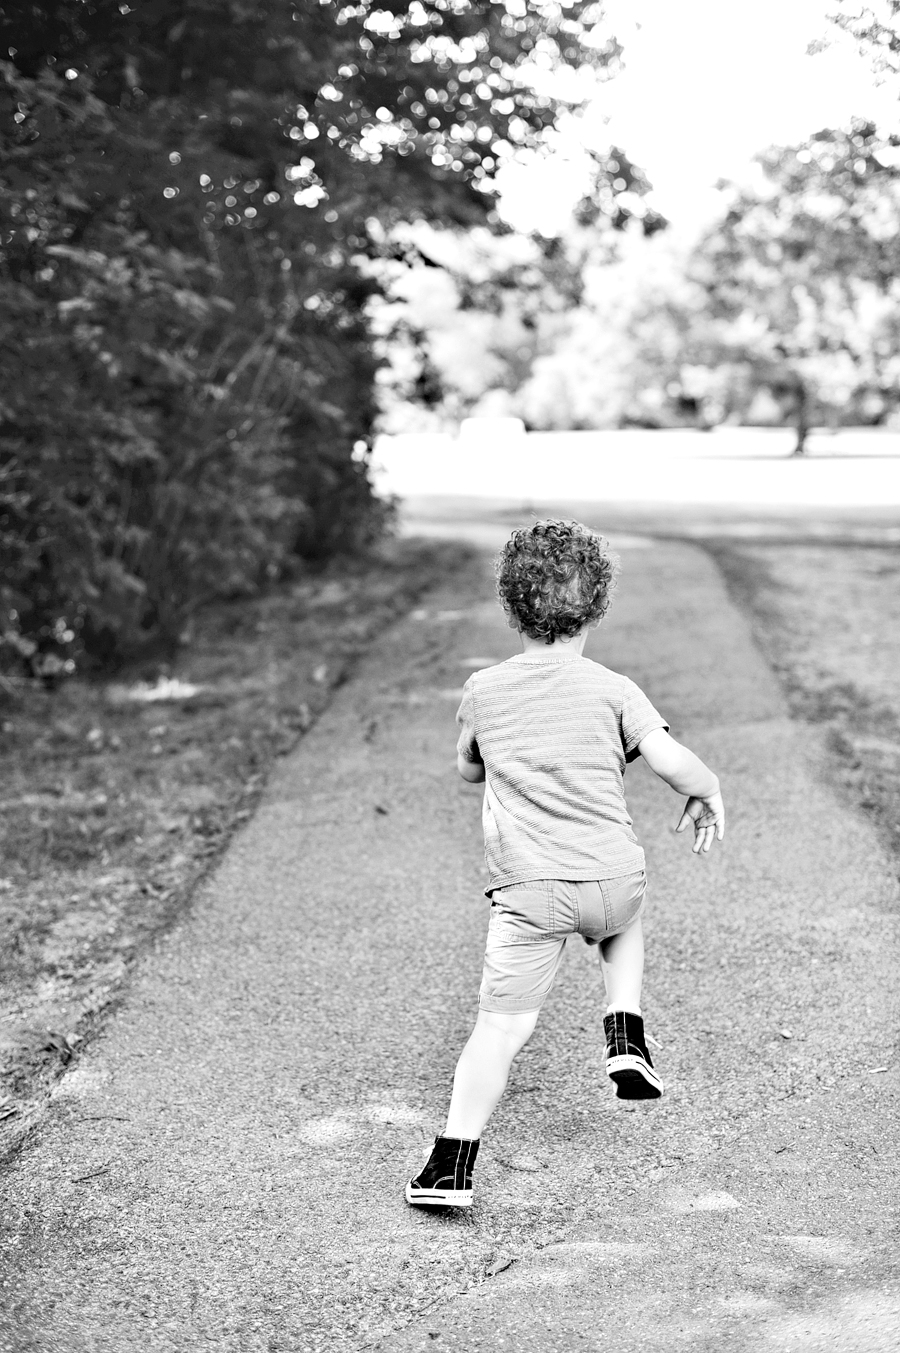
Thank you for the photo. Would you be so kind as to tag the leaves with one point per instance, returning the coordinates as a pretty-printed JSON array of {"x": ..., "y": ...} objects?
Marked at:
[
  {"x": 801, "y": 278},
  {"x": 876, "y": 30},
  {"x": 190, "y": 205}
]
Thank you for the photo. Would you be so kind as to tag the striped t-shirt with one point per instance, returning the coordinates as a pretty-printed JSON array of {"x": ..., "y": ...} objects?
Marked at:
[{"x": 555, "y": 732}]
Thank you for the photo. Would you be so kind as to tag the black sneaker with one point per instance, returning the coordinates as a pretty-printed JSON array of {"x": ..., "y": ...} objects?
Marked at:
[
  {"x": 628, "y": 1062},
  {"x": 446, "y": 1180}
]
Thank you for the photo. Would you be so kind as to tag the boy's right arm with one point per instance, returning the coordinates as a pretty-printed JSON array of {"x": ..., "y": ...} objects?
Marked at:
[
  {"x": 687, "y": 774},
  {"x": 468, "y": 758},
  {"x": 470, "y": 765}
]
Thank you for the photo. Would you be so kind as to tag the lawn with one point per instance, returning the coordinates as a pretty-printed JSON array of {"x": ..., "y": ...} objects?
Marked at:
[{"x": 827, "y": 617}]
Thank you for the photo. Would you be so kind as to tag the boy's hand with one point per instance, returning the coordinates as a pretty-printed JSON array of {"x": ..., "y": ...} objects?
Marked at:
[{"x": 708, "y": 817}]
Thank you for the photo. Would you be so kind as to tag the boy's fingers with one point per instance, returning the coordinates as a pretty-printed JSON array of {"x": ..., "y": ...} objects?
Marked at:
[
  {"x": 704, "y": 839},
  {"x": 683, "y": 822},
  {"x": 720, "y": 831}
]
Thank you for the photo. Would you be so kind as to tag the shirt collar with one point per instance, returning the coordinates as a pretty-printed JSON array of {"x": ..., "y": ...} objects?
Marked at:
[{"x": 541, "y": 658}]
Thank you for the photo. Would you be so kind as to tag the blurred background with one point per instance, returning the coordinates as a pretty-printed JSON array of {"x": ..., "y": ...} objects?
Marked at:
[{"x": 266, "y": 267}]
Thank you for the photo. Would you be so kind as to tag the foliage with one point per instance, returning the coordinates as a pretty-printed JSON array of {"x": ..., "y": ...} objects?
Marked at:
[
  {"x": 876, "y": 28},
  {"x": 480, "y": 315},
  {"x": 614, "y": 358},
  {"x": 787, "y": 310},
  {"x": 802, "y": 281},
  {"x": 192, "y": 197}
]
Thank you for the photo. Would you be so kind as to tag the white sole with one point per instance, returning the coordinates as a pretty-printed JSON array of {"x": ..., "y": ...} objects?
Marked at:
[
  {"x": 438, "y": 1197},
  {"x": 633, "y": 1078}
]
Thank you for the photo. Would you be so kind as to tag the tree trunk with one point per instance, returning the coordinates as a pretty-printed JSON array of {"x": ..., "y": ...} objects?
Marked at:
[{"x": 802, "y": 423}]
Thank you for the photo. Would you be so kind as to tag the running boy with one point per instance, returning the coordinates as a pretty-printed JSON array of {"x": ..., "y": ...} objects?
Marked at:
[{"x": 550, "y": 733}]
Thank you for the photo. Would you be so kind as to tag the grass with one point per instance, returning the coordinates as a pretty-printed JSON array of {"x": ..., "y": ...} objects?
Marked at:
[
  {"x": 114, "y": 808},
  {"x": 827, "y": 617}
]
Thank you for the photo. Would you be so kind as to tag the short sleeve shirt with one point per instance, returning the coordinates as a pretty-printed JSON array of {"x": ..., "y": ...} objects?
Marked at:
[{"x": 555, "y": 733}]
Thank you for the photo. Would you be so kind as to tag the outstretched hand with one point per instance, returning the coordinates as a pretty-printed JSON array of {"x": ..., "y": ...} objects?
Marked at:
[{"x": 708, "y": 817}]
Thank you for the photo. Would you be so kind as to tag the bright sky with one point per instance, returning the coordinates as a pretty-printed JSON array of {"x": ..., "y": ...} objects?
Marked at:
[{"x": 707, "y": 84}]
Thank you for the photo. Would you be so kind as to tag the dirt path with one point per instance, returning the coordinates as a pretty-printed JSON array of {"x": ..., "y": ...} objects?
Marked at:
[{"x": 224, "y": 1169}]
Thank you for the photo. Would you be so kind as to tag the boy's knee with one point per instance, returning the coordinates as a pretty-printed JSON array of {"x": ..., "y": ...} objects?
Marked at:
[{"x": 515, "y": 1026}]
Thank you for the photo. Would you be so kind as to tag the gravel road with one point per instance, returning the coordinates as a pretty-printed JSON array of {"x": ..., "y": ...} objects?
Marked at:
[{"x": 224, "y": 1168}]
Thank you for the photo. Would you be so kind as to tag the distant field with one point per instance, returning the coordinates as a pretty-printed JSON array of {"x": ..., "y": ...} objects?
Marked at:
[{"x": 739, "y": 468}]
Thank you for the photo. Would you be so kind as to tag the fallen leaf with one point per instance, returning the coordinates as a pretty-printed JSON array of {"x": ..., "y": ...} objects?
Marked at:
[
  {"x": 528, "y": 1164},
  {"x": 302, "y": 717},
  {"x": 80, "y": 1179},
  {"x": 58, "y": 1043}
]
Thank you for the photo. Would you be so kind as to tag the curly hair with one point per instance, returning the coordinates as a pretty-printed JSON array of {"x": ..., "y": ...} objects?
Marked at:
[{"x": 555, "y": 577}]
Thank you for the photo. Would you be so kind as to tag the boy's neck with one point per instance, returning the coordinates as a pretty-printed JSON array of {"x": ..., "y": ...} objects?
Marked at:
[{"x": 569, "y": 646}]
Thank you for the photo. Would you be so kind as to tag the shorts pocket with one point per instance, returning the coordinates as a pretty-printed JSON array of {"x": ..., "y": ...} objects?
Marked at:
[
  {"x": 522, "y": 912},
  {"x": 623, "y": 900}
]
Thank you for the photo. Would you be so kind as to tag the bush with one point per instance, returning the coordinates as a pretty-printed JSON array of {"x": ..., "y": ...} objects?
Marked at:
[{"x": 191, "y": 201}]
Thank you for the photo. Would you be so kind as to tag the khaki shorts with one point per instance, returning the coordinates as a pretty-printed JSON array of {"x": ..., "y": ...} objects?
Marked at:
[{"x": 529, "y": 926}]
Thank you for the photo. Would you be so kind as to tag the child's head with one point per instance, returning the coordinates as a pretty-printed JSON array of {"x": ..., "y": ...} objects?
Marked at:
[{"x": 554, "y": 578}]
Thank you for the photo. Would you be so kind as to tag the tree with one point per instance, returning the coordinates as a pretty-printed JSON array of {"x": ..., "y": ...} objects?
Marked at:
[
  {"x": 193, "y": 193},
  {"x": 482, "y": 311},
  {"x": 801, "y": 279},
  {"x": 788, "y": 310}
]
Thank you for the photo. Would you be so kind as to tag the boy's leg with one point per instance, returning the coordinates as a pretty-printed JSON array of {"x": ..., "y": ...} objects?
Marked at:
[
  {"x": 520, "y": 963},
  {"x": 483, "y": 1069},
  {"x": 481, "y": 1075},
  {"x": 622, "y": 965},
  {"x": 628, "y": 1062}
]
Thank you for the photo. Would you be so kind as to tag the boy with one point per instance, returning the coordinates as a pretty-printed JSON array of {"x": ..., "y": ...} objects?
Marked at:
[{"x": 550, "y": 733}]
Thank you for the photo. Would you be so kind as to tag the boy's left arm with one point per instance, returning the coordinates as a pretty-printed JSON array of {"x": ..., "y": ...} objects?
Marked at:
[{"x": 687, "y": 774}]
